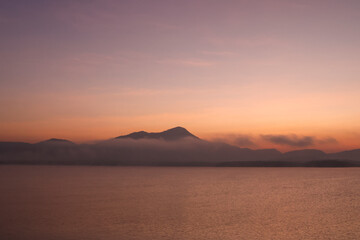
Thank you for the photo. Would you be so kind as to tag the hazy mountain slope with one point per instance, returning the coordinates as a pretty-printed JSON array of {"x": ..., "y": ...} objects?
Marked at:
[
  {"x": 305, "y": 154},
  {"x": 350, "y": 155}
]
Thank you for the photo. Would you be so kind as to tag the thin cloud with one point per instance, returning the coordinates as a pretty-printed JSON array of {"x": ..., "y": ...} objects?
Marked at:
[
  {"x": 188, "y": 62},
  {"x": 247, "y": 42},
  {"x": 162, "y": 26},
  {"x": 217, "y": 53}
]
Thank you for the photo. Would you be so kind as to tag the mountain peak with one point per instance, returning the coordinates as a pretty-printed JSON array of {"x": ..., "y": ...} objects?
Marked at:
[
  {"x": 178, "y": 130},
  {"x": 175, "y": 133}
]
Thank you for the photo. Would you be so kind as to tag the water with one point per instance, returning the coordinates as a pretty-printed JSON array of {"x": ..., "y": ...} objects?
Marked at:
[{"x": 67, "y": 202}]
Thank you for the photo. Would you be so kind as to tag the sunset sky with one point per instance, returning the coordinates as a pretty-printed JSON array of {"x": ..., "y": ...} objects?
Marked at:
[{"x": 279, "y": 74}]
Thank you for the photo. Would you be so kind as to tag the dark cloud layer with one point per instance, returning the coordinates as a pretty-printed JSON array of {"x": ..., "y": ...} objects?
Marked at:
[
  {"x": 290, "y": 140},
  {"x": 329, "y": 140}
]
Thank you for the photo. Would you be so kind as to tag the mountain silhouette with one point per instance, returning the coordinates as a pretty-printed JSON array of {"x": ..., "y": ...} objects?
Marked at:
[
  {"x": 56, "y": 141},
  {"x": 172, "y": 134},
  {"x": 173, "y": 147}
]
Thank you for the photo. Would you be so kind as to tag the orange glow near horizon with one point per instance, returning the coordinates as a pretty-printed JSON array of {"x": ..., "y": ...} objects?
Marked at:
[{"x": 92, "y": 129}]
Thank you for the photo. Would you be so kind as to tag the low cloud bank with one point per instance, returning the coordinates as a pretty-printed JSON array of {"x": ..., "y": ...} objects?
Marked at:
[
  {"x": 294, "y": 140},
  {"x": 240, "y": 140},
  {"x": 290, "y": 140}
]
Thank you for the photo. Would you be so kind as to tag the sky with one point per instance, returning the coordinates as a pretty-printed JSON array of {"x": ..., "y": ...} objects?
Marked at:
[{"x": 258, "y": 74}]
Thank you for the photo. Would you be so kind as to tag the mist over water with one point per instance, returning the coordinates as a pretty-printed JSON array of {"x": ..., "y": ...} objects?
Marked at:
[{"x": 79, "y": 202}]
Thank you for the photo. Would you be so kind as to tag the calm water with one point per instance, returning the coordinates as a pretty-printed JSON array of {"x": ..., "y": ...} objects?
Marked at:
[{"x": 59, "y": 202}]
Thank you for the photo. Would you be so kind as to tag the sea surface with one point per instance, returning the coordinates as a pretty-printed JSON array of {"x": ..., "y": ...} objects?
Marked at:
[{"x": 75, "y": 202}]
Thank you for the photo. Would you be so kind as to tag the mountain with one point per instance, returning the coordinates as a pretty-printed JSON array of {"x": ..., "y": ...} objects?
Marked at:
[
  {"x": 55, "y": 141},
  {"x": 172, "y": 134},
  {"x": 173, "y": 147}
]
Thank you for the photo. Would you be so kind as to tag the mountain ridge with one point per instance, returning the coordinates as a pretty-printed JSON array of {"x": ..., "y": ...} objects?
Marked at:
[
  {"x": 171, "y": 134},
  {"x": 172, "y": 147}
]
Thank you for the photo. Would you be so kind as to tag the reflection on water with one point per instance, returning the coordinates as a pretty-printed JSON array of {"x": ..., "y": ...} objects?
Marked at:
[{"x": 67, "y": 202}]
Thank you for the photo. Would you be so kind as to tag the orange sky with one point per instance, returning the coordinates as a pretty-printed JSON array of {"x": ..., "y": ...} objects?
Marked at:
[{"x": 232, "y": 71}]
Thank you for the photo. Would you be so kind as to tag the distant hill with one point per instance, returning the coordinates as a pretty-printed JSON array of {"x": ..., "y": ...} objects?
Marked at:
[
  {"x": 173, "y": 147},
  {"x": 350, "y": 155},
  {"x": 308, "y": 154},
  {"x": 172, "y": 134}
]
